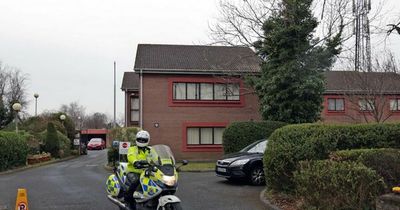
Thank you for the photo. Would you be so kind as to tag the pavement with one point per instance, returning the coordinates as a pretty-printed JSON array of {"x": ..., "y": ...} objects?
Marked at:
[{"x": 80, "y": 184}]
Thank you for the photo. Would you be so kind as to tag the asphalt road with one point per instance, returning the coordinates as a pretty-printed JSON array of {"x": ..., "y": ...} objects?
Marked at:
[{"x": 80, "y": 184}]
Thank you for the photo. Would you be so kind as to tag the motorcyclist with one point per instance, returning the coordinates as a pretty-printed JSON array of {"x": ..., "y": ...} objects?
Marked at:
[{"x": 138, "y": 158}]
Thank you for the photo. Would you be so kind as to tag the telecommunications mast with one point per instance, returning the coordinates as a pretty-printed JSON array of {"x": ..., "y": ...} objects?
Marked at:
[{"x": 362, "y": 61}]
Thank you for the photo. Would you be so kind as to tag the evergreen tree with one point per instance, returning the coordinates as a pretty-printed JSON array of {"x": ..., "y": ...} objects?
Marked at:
[
  {"x": 52, "y": 143},
  {"x": 4, "y": 119},
  {"x": 291, "y": 84}
]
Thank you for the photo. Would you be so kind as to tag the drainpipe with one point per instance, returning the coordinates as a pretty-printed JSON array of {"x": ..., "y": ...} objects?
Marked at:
[
  {"x": 141, "y": 100},
  {"x": 126, "y": 107}
]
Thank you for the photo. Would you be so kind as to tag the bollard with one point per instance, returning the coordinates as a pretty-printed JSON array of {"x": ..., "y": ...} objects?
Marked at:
[{"x": 22, "y": 200}]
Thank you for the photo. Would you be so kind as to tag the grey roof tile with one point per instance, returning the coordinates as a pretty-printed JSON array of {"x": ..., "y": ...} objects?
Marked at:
[
  {"x": 195, "y": 58},
  {"x": 130, "y": 81}
]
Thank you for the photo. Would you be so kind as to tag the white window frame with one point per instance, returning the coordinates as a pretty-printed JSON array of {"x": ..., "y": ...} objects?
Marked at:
[{"x": 200, "y": 140}]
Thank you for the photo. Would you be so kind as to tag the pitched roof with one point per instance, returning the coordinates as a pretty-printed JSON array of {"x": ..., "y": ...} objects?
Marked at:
[
  {"x": 130, "y": 81},
  {"x": 362, "y": 82},
  {"x": 156, "y": 58}
]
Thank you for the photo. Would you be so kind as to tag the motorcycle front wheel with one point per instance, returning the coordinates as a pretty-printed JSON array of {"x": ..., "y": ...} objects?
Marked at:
[{"x": 173, "y": 206}]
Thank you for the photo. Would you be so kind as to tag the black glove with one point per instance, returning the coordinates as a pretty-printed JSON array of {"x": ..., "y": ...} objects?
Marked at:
[{"x": 140, "y": 164}]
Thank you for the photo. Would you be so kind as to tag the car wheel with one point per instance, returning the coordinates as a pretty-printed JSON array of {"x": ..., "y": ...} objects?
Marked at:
[{"x": 257, "y": 176}]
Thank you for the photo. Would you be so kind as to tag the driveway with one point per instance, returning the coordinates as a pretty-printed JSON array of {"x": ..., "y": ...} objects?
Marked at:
[
  {"x": 199, "y": 191},
  {"x": 80, "y": 184}
]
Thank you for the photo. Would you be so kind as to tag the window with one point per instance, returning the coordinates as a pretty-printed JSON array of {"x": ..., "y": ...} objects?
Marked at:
[
  {"x": 366, "y": 104},
  {"x": 179, "y": 91},
  {"x": 204, "y": 135},
  {"x": 193, "y": 91},
  {"x": 335, "y": 104},
  {"x": 395, "y": 104},
  {"x": 134, "y": 109},
  {"x": 206, "y": 91},
  {"x": 233, "y": 92}
]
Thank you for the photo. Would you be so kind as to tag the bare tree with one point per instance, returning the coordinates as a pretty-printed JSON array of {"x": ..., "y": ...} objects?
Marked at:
[
  {"x": 95, "y": 121},
  {"x": 75, "y": 111},
  {"x": 369, "y": 93},
  {"x": 12, "y": 89},
  {"x": 241, "y": 22},
  {"x": 4, "y": 75},
  {"x": 17, "y": 87},
  {"x": 4, "y": 115},
  {"x": 394, "y": 27}
]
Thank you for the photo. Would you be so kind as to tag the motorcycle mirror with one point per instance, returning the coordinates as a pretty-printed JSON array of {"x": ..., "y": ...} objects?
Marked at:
[{"x": 184, "y": 162}]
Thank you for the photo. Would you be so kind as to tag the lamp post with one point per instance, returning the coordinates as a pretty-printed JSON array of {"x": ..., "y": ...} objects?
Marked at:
[
  {"x": 16, "y": 107},
  {"x": 79, "y": 123},
  {"x": 62, "y": 118},
  {"x": 36, "y": 97}
]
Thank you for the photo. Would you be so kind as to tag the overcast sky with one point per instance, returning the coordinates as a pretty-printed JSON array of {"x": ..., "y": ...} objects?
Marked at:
[{"x": 68, "y": 46}]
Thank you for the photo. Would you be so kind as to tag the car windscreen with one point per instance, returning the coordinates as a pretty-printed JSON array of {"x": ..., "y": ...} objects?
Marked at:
[
  {"x": 256, "y": 147},
  {"x": 95, "y": 141}
]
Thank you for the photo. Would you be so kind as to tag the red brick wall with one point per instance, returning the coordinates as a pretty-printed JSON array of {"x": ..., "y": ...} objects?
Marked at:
[
  {"x": 352, "y": 113},
  {"x": 172, "y": 119}
]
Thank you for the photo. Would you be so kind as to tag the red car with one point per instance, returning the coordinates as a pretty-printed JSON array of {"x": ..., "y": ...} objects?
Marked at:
[{"x": 96, "y": 143}]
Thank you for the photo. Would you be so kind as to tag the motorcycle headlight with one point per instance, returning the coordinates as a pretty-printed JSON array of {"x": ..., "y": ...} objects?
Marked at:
[
  {"x": 239, "y": 162},
  {"x": 169, "y": 180}
]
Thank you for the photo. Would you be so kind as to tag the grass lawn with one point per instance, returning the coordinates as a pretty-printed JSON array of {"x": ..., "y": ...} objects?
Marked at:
[{"x": 199, "y": 166}]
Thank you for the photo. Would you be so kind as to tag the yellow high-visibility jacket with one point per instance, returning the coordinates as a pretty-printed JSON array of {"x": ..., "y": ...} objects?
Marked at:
[{"x": 137, "y": 154}]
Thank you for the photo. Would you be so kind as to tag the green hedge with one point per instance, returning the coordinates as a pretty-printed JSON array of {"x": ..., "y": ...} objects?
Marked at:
[
  {"x": 121, "y": 134},
  {"x": 240, "y": 134},
  {"x": 337, "y": 185},
  {"x": 13, "y": 149},
  {"x": 386, "y": 162},
  {"x": 291, "y": 144},
  {"x": 124, "y": 134}
]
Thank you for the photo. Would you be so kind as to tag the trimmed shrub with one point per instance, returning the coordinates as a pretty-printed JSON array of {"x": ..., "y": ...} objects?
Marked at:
[
  {"x": 291, "y": 144},
  {"x": 386, "y": 162},
  {"x": 112, "y": 155},
  {"x": 65, "y": 145},
  {"x": 337, "y": 185},
  {"x": 63, "y": 148},
  {"x": 13, "y": 149},
  {"x": 52, "y": 143},
  {"x": 240, "y": 134}
]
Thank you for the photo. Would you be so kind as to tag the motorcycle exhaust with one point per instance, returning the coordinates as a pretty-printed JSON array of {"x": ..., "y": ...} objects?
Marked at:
[{"x": 118, "y": 203}]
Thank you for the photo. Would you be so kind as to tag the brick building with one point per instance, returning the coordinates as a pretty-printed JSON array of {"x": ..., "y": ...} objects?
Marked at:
[
  {"x": 359, "y": 97},
  {"x": 189, "y": 94}
]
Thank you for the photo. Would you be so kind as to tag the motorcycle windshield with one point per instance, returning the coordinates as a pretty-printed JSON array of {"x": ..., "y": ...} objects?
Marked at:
[{"x": 165, "y": 155}]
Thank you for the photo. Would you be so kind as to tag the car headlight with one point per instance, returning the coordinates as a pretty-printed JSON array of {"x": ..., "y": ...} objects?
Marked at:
[
  {"x": 169, "y": 180},
  {"x": 239, "y": 162}
]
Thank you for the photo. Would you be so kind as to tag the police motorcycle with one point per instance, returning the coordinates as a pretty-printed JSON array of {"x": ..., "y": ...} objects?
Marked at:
[{"x": 158, "y": 183}]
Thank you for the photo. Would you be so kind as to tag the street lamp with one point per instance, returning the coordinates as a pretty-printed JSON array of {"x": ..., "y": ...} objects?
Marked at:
[
  {"x": 62, "y": 118},
  {"x": 16, "y": 107},
  {"x": 79, "y": 123},
  {"x": 36, "y": 97}
]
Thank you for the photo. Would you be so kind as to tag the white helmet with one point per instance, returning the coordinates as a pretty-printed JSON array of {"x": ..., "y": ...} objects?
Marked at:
[{"x": 142, "y": 138}]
